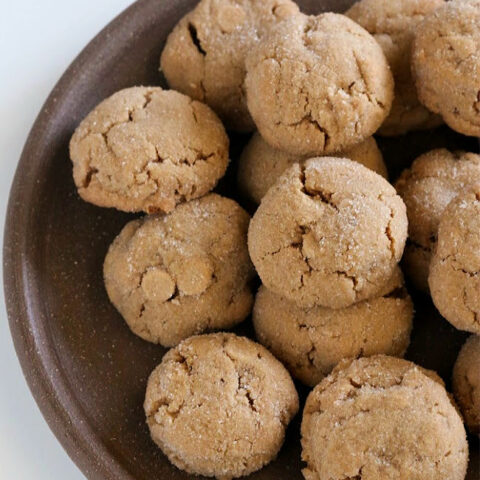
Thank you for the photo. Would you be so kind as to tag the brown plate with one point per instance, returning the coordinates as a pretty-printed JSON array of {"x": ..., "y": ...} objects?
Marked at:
[{"x": 85, "y": 369}]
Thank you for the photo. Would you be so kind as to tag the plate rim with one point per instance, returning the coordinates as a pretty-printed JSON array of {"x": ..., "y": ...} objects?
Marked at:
[{"x": 40, "y": 366}]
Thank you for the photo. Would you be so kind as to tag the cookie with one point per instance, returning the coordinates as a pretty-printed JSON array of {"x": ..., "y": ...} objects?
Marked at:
[
  {"x": 382, "y": 418},
  {"x": 310, "y": 342},
  {"x": 148, "y": 149},
  {"x": 427, "y": 187},
  {"x": 446, "y": 64},
  {"x": 181, "y": 274},
  {"x": 204, "y": 56},
  {"x": 329, "y": 233},
  {"x": 393, "y": 24},
  {"x": 318, "y": 85},
  {"x": 454, "y": 270},
  {"x": 466, "y": 382},
  {"x": 218, "y": 405},
  {"x": 261, "y": 165}
]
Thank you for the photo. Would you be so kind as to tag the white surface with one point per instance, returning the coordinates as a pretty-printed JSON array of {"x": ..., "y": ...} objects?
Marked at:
[{"x": 38, "y": 40}]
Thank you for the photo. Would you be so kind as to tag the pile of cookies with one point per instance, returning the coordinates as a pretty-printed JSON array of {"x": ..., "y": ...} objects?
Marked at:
[{"x": 326, "y": 239}]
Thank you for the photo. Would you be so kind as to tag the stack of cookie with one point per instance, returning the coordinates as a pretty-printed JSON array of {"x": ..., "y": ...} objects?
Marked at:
[
  {"x": 326, "y": 239},
  {"x": 326, "y": 242}
]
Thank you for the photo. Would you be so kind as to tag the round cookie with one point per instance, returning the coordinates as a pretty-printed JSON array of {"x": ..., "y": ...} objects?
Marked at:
[
  {"x": 310, "y": 342},
  {"x": 218, "y": 405},
  {"x": 382, "y": 418},
  {"x": 466, "y": 383},
  {"x": 148, "y": 149},
  {"x": 329, "y": 233},
  {"x": 318, "y": 85},
  {"x": 455, "y": 267},
  {"x": 188, "y": 272},
  {"x": 393, "y": 24},
  {"x": 204, "y": 56},
  {"x": 446, "y": 64},
  {"x": 427, "y": 187},
  {"x": 261, "y": 165}
]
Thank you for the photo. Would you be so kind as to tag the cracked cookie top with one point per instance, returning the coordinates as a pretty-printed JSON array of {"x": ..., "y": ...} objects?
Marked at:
[
  {"x": 310, "y": 342},
  {"x": 466, "y": 382},
  {"x": 218, "y": 405},
  {"x": 382, "y": 417},
  {"x": 455, "y": 267},
  {"x": 393, "y": 24},
  {"x": 204, "y": 56},
  {"x": 261, "y": 165},
  {"x": 318, "y": 85},
  {"x": 427, "y": 187},
  {"x": 329, "y": 233},
  {"x": 446, "y": 64},
  {"x": 181, "y": 274},
  {"x": 148, "y": 149}
]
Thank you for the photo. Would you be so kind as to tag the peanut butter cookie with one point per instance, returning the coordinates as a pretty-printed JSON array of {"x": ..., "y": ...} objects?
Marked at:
[
  {"x": 446, "y": 64},
  {"x": 205, "y": 54},
  {"x": 310, "y": 342},
  {"x": 218, "y": 405},
  {"x": 455, "y": 267},
  {"x": 382, "y": 418},
  {"x": 148, "y": 149},
  {"x": 261, "y": 165},
  {"x": 184, "y": 273},
  {"x": 318, "y": 85},
  {"x": 393, "y": 24},
  {"x": 329, "y": 233},
  {"x": 427, "y": 187},
  {"x": 466, "y": 382}
]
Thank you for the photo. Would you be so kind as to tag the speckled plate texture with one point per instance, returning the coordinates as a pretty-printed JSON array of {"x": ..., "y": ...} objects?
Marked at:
[{"x": 85, "y": 369}]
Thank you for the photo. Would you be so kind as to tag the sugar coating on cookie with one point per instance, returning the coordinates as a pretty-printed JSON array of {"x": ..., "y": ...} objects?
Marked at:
[
  {"x": 466, "y": 382},
  {"x": 218, "y": 405},
  {"x": 148, "y": 149},
  {"x": 427, "y": 187},
  {"x": 455, "y": 266},
  {"x": 382, "y": 418},
  {"x": 318, "y": 85},
  {"x": 184, "y": 273},
  {"x": 393, "y": 24},
  {"x": 204, "y": 56},
  {"x": 329, "y": 233},
  {"x": 446, "y": 64},
  {"x": 310, "y": 342},
  {"x": 261, "y": 165}
]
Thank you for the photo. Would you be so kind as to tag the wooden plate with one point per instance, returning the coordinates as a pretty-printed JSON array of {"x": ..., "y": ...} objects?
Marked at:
[{"x": 85, "y": 369}]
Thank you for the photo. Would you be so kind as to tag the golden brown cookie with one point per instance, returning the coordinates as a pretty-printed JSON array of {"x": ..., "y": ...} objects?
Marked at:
[
  {"x": 446, "y": 64},
  {"x": 148, "y": 149},
  {"x": 310, "y": 342},
  {"x": 218, "y": 405},
  {"x": 204, "y": 56},
  {"x": 261, "y": 165},
  {"x": 466, "y": 382},
  {"x": 382, "y": 418},
  {"x": 329, "y": 233},
  {"x": 455, "y": 267},
  {"x": 184, "y": 273},
  {"x": 427, "y": 187},
  {"x": 393, "y": 24},
  {"x": 318, "y": 85}
]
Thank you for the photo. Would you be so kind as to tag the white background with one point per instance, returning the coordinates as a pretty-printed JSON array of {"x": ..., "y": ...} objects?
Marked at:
[{"x": 38, "y": 40}]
